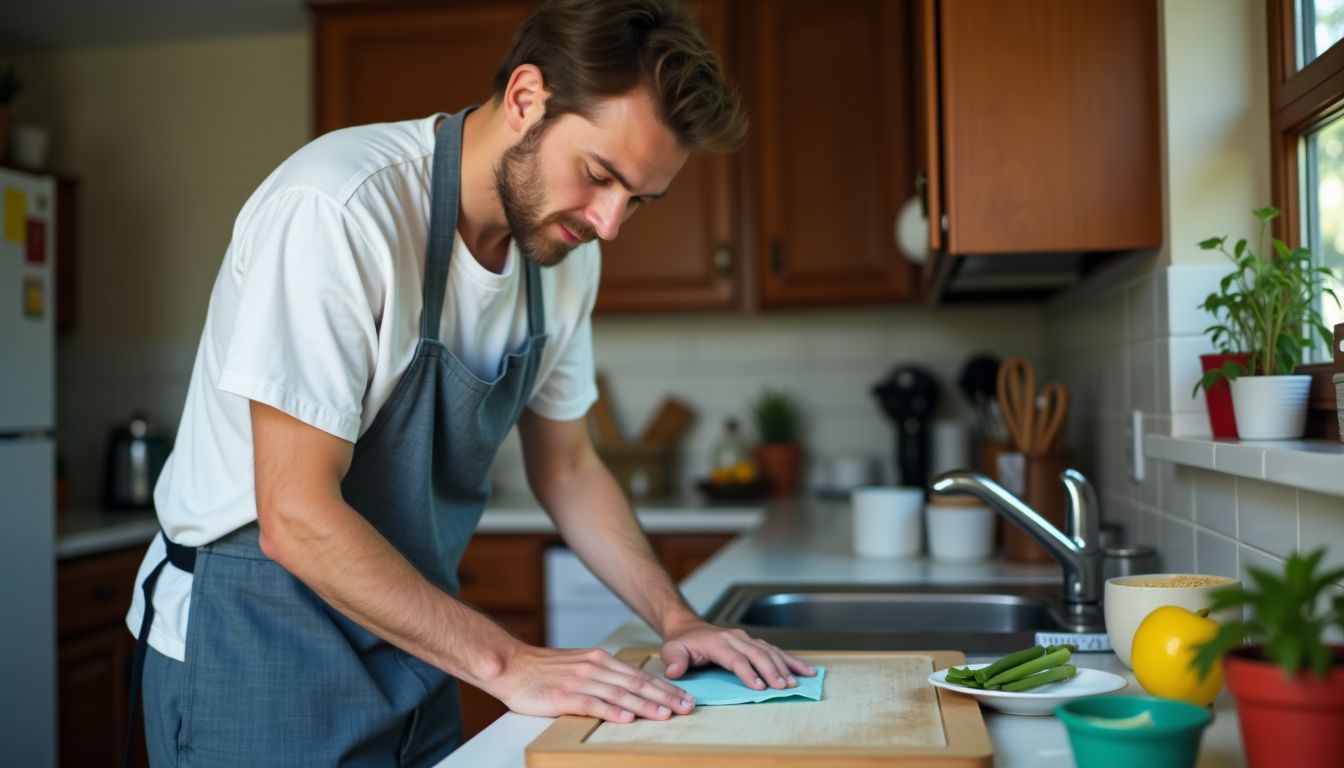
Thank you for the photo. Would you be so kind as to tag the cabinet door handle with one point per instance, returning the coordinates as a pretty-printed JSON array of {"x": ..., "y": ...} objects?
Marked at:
[
  {"x": 105, "y": 592},
  {"x": 465, "y": 577},
  {"x": 776, "y": 256},
  {"x": 723, "y": 259}
]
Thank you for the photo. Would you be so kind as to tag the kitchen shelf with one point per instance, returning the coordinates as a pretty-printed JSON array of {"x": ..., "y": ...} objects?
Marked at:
[{"x": 1314, "y": 465}]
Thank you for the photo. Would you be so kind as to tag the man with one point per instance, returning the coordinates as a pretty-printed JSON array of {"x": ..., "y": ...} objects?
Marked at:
[{"x": 393, "y": 300}]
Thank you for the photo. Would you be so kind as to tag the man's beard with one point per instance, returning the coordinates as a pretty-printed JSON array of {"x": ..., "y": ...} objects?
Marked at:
[{"x": 518, "y": 182}]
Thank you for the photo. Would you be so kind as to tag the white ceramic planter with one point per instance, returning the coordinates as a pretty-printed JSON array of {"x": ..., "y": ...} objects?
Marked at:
[{"x": 1270, "y": 407}]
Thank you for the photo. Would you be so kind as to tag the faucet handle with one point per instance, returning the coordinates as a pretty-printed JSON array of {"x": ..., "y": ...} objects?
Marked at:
[{"x": 1082, "y": 513}]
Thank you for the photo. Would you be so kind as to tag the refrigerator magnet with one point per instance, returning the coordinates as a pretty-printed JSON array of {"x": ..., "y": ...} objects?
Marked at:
[
  {"x": 15, "y": 215},
  {"x": 34, "y": 299},
  {"x": 35, "y": 250}
]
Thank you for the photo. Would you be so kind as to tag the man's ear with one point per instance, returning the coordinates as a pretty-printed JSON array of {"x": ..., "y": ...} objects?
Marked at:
[{"x": 525, "y": 98}]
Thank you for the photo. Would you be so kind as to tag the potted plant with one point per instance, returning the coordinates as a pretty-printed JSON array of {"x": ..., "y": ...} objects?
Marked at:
[
  {"x": 1266, "y": 309},
  {"x": 779, "y": 454},
  {"x": 1289, "y": 684},
  {"x": 9, "y": 88}
]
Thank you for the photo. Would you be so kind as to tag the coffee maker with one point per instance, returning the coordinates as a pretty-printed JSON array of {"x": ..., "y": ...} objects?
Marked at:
[{"x": 909, "y": 396}]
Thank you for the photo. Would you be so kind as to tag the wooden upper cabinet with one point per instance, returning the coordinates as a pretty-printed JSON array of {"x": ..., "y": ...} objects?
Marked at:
[
  {"x": 399, "y": 61},
  {"x": 681, "y": 252},
  {"x": 831, "y": 140},
  {"x": 1047, "y": 136}
]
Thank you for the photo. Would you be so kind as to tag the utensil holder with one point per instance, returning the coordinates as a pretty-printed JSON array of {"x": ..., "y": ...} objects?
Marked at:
[{"x": 1037, "y": 479}]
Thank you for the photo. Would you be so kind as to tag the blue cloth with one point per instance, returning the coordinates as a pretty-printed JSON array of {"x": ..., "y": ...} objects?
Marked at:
[{"x": 713, "y": 686}]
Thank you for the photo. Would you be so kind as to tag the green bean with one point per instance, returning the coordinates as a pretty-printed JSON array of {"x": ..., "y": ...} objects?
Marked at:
[
  {"x": 1008, "y": 662},
  {"x": 1020, "y": 671},
  {"x": 959, "y": 673},
  {"x": 1071, "y": 646},
  {"x": 1055, "y": 674}
]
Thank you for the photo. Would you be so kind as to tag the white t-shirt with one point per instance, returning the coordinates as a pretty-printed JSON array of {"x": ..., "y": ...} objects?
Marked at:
[{"x": 316, "y": 312}]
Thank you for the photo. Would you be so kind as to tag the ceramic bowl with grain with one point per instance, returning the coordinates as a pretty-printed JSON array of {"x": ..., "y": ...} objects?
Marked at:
[{"x": 1129, "y": 599}]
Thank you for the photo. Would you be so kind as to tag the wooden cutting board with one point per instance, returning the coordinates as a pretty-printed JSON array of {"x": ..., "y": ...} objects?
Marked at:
[{"x": 877, "y": 709}]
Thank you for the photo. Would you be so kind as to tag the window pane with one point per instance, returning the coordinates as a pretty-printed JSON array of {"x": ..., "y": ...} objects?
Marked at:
[
  {"x": 1321, "y": 25},
  {"x": 1323, "y": 199}
]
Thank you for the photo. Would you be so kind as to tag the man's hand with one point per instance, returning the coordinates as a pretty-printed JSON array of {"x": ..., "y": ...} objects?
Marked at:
[
  {"x": 756, "y": 662},
  {"x": 551, "y": 682}
]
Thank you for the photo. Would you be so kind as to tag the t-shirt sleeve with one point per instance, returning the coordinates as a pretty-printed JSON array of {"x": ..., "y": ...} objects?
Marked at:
[
  {"x": 305, "y": 337},
  {"x": 571, "y": 388}
]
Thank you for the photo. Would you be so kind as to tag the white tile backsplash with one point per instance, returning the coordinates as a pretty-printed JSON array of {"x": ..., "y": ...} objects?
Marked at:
[
  {"x": 1321, "y": 522},
  {"x": 1215, "y": 554},
  {"x": 1267, "y": 516},
  {"x": 1216, "y": 502},
  {"x": 1178, "y": 545},
  {"x": 1149, "y": 333}
]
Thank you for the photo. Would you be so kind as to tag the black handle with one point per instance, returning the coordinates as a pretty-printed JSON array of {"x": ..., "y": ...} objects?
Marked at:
[
  {"x": 104, "y": 592},
  {"x": 776, "y": 256}
]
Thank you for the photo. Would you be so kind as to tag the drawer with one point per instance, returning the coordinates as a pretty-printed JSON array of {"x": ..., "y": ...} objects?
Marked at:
[
  {"x": 502, "y": 572},
  {"x": 95, "y": 591}
]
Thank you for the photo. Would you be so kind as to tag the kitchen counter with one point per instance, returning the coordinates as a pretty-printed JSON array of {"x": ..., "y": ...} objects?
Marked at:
[
  {"x": 810, "y": 543},
  {"x": 89, "y": 532}
]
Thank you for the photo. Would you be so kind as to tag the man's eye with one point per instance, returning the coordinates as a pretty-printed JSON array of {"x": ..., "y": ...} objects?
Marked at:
[{"x": 593, "y": 179}]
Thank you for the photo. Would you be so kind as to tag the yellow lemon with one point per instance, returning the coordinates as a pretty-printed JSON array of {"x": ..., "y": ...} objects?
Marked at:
[{"x": 1164, "y": 652}]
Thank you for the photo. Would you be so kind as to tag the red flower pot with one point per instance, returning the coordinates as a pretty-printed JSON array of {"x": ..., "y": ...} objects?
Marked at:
[
  {"x": 1297, "y": 721},
  {"x": 1218, "y": 398}
]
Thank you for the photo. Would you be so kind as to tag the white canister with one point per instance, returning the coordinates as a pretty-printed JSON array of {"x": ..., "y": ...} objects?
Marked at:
[
  {"x": 961, "y": 528},
  {"x": 887, "y": 521}
]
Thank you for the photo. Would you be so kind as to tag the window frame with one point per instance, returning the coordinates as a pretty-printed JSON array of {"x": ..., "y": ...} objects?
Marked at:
[{"x": 1299, "y": 101}]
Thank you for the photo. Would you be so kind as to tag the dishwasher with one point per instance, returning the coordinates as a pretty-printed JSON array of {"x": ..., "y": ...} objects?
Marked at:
[{"x": 580, "y": 610}]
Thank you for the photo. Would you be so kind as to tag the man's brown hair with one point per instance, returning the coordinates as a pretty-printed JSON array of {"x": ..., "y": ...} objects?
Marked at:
[{"x": 589, "y": 50}]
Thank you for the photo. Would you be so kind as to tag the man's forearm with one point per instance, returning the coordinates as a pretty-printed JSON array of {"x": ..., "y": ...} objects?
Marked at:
[
  {"x": 597, "y": 523},
  {"x": 340, "y": 556}
]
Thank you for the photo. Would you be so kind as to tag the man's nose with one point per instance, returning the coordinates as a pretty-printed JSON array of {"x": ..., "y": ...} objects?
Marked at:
[{"x": 606, "y": 213}]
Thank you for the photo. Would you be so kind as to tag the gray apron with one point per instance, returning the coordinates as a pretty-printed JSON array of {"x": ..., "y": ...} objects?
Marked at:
[{"x": 275, "y": 676}]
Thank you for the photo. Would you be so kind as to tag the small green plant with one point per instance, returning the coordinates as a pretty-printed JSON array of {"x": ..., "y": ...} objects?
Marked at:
[
  {"x": 776, "y": 417},
  {"x": 1290, "y": 617},
  {"x": 1266, "y": 306},
  {"x": 10, "y": 85}
]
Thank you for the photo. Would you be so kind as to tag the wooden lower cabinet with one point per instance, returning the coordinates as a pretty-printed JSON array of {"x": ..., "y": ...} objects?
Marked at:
[{"x": 94, "y": 654}]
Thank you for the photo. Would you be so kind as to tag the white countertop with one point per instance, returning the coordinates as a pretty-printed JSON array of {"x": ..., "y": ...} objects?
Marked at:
[{"x": 809, "y": 543}]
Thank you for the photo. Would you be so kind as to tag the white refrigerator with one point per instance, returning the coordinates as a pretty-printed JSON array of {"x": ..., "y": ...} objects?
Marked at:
[{"x": 27, "y": 469}]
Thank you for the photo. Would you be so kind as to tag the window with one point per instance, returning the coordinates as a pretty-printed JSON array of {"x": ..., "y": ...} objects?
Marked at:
[
  {"x": 1322, "y": 26},
  {"x": 1307, "y": 130},
  {"x": 1323, "y": 197}
]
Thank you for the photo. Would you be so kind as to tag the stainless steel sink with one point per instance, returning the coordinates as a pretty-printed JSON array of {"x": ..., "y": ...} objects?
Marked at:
[{"x": 972, "y": 618}]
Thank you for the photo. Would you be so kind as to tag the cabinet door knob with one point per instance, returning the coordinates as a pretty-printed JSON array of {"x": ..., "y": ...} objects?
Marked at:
[
  {"x": 723, "y": 259},
  {"x": 465, "y": 577},
  {"x": 104, "y": 592},
  {"x": 776, "y": 256}
]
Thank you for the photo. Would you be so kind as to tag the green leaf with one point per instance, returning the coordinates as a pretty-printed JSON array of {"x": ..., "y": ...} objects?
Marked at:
[
  {"x": 1266, "y": 214},
  {"x": 1211, "y": 243}
]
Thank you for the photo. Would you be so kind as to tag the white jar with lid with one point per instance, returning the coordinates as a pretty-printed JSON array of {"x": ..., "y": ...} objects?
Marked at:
[{"x": 960, "y": 528}]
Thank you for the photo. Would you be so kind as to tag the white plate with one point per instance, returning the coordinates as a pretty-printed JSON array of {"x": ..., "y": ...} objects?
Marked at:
[{"x": 1037, "y": 701}]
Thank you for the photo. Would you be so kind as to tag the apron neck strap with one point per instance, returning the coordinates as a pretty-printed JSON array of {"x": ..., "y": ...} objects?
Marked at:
[
  {"x": 445, "y": 187},
  {"x": 445, "y": 184}
]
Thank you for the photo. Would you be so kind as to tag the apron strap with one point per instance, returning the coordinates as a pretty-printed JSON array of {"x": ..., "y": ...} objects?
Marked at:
[
  {"x": 536, "y": 314},
  {"x": 185, "y": 559},
  {"x": 445, "y": 181}
]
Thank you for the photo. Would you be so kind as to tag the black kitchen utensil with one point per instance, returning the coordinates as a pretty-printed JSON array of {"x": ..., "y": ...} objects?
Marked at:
[
  {"x": 978, "y": 383},
  {"x": 909, "y": 396}
]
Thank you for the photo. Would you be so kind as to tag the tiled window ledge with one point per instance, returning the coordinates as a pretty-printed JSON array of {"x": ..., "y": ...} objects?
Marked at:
[{"x": 1316, "y": 465}]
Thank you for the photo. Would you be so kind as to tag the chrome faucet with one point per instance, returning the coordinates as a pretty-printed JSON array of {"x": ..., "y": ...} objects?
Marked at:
[{"x": 1077, "y": 548}]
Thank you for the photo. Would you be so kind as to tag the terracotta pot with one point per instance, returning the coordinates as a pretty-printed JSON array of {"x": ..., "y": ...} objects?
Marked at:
[
  {"x": 1297, "y": 721},
  {"x": 1218, "y": 398},
  {"x": 779, "y": 463}
]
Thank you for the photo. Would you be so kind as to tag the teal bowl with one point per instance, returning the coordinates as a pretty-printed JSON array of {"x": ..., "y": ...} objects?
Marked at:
[{"x": 1169, "y": 740}]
